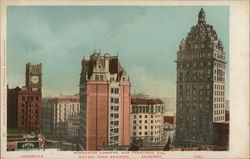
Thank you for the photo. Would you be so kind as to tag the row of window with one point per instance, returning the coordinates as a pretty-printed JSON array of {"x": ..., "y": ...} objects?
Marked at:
[
  {"x": 182, "y": 86},
  {"x": 146, "y": 133},
  {"x": 217, "y": 112},
  {"x": 219, "y": 118},
  {"x": 140, "y": 121},
  {"x": 146, "y": 109},
  {"x": 195, "y": 55},
  {"x": 30, "y": 98},
  {"x": 195, "y": 92},
  {"x": 69, "y": 105},
  {"x": 195, "y": 64},
  {"x": 99, "y": 77},
  {"x": 194, "y": 99},
  {"x": 146, "y": 116},
  {"x": 219, "y": 99},
  {"x": 219, "y": 87},
  {"x": 219, "y": 93},
  {"x": 146, "y": 127},
  {"x": 219, "y": 65},
  {"x": 35, "y": 70},
  {"x": 220, "y": 105},
  {"x": 29, "y": 105},
  {"x": 146, "y": 121}
]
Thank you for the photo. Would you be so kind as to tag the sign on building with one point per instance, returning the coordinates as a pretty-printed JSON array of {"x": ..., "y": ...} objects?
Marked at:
[{"x": 27, "y": 146}]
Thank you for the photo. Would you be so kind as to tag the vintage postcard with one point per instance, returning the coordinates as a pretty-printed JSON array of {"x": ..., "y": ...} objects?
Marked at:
[{"x": 124, "y": 79}]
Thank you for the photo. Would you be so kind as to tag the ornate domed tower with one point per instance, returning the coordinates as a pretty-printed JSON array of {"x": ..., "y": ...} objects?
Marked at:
[{"x": 200, "y": 85}]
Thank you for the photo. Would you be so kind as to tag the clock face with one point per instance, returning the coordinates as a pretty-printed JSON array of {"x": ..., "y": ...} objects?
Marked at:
[{"x": 35, "y": 79}]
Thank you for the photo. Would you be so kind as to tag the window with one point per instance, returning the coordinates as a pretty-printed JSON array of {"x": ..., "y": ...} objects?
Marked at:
[
  {"x": 139, "y": 127},
  {"x": 134, "y": 122},
  {"x": 115, "y": 90},
  {"x": 114, "y": 115},
  {"x": 139, "y": 116},
  {"x": 115, "y": 100},
  {"x": 116, "y": 122},
  {"x": 146, "y": 116},
  {"x": 134, "y": 127},
  {"x": 134, "y": 133},
  {"x": 116, "y": 138},
  {"x": 134, "y": 116},
  {"x": 146, "y": 127},
  {"x": 97, "y": 77},
  {"x": 139, "y": 133},
  {"x": 145, "y": 133}
]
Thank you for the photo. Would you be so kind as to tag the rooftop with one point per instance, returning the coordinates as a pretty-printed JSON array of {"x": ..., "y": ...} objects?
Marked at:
[{"x": 147, "y": 101}]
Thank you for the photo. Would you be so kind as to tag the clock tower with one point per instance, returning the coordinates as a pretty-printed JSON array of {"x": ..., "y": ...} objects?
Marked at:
[{"x": 34, "y": 75}]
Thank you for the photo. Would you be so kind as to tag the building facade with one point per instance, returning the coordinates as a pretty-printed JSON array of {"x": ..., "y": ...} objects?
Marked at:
[
  {"x": 147, "y": 120},
  {"x": 200, "y": 85},
  {"x": 105, "y": 102},
  {"x": 73, "y": 125},
  {"x": 24, "y": 105},
  {"x": 56, "y": 113}
]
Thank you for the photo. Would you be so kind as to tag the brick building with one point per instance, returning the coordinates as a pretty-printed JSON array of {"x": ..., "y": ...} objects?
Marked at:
[
  {"x": 104, "y": 102},
  {"x": 200, "y": 85},
  {"x": 24, "y": 105}
]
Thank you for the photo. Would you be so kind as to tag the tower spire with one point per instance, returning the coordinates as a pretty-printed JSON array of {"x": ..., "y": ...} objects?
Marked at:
[{"x": 201, "y": 17}]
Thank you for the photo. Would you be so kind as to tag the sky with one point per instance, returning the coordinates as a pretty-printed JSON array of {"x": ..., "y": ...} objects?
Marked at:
[{"x": 146, "y": 39}]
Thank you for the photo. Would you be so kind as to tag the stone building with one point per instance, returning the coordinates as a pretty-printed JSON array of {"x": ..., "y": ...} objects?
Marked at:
[
  {"x": 200, "y": 85},
  {"x": 73, "y": 125},
  {"x": 146, "y": 121},
  {"x": 56, "y": 112},
  {"x": 105, "y": 102},
  {"x": 24, "y": 105}
]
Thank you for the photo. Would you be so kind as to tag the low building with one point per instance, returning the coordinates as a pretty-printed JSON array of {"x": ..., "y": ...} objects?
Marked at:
[
  {"x": 23, "y": 139},
  {"x": 146, "y": 121}
]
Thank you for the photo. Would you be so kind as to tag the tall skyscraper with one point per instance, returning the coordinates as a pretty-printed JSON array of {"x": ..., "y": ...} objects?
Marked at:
[
  {"x": 25, "y": 104},
  {"x": 200, "y": 85},
  {"x": 104, "y": 102}
]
